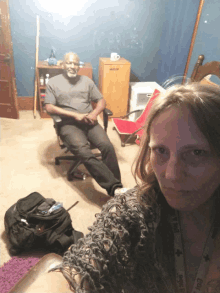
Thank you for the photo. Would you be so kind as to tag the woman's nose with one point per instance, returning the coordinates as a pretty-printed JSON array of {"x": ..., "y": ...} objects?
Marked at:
[{"x": 174, "y": 169}]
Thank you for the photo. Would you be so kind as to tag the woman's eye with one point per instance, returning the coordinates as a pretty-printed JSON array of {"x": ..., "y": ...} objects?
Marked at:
[
  {"x": 194, "y": 157},
  {"x": 160, "y": 150},
  {"x": 198, "y": 152}
]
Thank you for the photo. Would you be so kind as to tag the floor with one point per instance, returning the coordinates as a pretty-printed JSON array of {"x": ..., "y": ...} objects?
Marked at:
[{"x": 27, "y": 151}]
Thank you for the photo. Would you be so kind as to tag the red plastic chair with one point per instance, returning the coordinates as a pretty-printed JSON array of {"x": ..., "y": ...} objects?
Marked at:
[{"x": 133, "y": 129}]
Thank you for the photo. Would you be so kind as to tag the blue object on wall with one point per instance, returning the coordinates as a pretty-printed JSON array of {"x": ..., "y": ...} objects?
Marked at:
[
  {"x": 52, "y": 60},
  {"x": 152, "y": 34}
]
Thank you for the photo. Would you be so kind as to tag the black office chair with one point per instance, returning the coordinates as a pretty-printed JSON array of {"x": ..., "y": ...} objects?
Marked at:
[{"x": 73, "y": 172}]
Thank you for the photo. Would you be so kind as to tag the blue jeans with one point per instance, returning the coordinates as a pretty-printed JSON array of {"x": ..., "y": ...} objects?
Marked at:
[{"x": 106, "y": 172}]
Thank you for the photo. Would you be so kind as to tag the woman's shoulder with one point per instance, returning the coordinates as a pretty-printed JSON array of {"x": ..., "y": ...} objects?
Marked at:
[
  {"x": 126, "y": 200},
  {"x": 119, "y": 241},
  {"x": 129, "y": 205}
]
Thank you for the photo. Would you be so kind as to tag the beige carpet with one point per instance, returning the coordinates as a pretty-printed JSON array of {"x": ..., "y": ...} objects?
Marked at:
[{"x": 27, "y": 151}]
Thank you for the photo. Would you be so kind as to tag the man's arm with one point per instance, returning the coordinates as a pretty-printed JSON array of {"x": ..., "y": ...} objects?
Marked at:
[
  {"x": 92, "y": 117},
  {"x": 54, "y": 110},
  {"x": 100, "y": 106}
]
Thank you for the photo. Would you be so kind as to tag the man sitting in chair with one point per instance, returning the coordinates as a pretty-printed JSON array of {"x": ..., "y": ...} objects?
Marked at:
[{"x": 70, "y": 96}]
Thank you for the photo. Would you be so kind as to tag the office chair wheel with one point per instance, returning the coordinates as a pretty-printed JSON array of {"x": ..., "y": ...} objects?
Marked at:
[
  {"x": 70, "y": 177},
  {"x": 78, "y": 175},
  {"x": 57, "y": 161}
]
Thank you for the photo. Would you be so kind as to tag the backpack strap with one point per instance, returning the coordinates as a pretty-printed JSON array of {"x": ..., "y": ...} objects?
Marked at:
[
  {"x": 77, "y": 235},
  {"x": 64, "y": 241}
]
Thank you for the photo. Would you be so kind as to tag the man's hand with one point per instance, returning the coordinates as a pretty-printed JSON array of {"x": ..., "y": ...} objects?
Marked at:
[
  {"x": 91, "y": 119},
  {"x": 80, "y": 117}
]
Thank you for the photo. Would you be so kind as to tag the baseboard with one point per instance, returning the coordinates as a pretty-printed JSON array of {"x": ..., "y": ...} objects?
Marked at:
[{"x": 26, "y": 103}]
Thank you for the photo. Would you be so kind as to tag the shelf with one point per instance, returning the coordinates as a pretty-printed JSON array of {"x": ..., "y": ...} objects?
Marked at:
[
  {"x": 44, "y": 65},
  {"x": 44, "y": 115}
]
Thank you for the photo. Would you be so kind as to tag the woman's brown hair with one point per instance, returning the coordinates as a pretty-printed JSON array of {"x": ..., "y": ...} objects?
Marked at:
[{"x": 204, "y": 103}]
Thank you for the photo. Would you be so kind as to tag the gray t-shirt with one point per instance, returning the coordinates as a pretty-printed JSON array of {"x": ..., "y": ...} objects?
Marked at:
[{"x": 73, "y": 95}]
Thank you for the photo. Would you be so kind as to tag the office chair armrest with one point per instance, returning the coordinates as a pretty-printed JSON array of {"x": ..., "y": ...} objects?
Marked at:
[
  {"x": 56, "y": 123},
  {"x": 56, "y": 119},
  {"x": 106, "y": 114}
]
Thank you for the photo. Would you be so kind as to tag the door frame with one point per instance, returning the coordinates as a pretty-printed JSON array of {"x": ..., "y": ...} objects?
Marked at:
[
  {"x": 201, "y": 4},
  {"x": 10, "y": 110}
]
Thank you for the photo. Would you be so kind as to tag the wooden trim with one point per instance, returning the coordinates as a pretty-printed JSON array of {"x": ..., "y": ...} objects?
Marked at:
[
  {"x": 11, "y": 111},
  {"x": 193, "y": 39},
  {"x": 26, "y": 103},
  {"x": 36, "y": 63},
  {"x": 12, "y": 66}
]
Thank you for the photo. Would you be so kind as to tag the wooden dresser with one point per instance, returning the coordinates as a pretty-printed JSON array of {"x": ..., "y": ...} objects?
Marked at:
[{"x": 114, "y": 77}]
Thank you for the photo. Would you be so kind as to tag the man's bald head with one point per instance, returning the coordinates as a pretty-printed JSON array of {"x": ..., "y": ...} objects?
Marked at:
[
  {"x": 71, "y": 64},
  {"x": 68, "y": 55}
]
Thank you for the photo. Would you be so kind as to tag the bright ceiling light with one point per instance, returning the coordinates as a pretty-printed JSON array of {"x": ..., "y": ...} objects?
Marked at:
[{"x": 65, "y": 8}]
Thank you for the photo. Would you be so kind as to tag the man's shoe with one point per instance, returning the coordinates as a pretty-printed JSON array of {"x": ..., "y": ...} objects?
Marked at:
[{"x": 119, "y": 191}]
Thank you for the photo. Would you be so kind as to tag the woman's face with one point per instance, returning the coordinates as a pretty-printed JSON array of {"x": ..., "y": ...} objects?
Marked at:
[{"x": 187, "y": 171}]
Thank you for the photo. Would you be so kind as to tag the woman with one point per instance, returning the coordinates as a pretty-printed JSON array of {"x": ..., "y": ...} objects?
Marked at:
[{"x": 161, "y": 236}]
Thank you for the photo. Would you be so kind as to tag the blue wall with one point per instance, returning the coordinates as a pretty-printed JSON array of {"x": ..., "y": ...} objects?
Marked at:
[
  {"x": 154, "y": 35},
  {"x": 176, "y": 38},
  {"x": 208, "y": 38}
]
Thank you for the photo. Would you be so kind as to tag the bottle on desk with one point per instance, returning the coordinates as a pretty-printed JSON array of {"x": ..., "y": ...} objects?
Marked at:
[
  {"x": 42, "y": 80},
  {"x": 47, "y": 78}
]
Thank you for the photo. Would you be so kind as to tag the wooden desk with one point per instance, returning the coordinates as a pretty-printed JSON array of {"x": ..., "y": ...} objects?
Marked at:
[{"x": 42, "y": 69}]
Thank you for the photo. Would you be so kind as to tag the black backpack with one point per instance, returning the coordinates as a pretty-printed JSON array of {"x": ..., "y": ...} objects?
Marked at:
[{"x": 37, "y": 222}]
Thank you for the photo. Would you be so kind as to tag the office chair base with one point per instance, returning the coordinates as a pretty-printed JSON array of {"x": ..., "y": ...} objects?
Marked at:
[
  {"x": 73, "y": 172},
  {"x": 66, "y": 158},
  {"x": 77, "y": 174}
]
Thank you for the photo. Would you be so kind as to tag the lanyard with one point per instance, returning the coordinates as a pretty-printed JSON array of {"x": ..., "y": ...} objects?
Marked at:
[{"x": 179, "y": 258}]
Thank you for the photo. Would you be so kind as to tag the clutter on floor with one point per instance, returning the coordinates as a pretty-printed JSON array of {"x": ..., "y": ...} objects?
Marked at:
[{"x": 35, "y": 221}]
